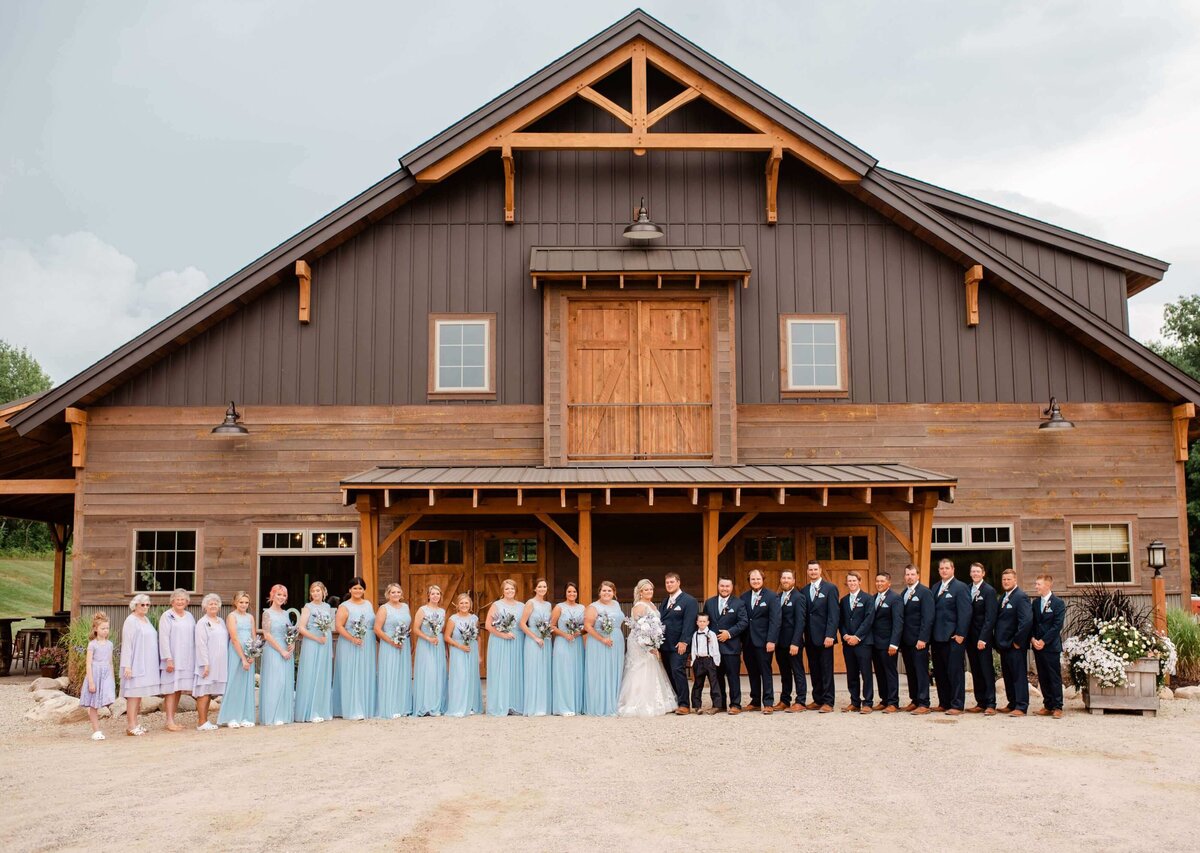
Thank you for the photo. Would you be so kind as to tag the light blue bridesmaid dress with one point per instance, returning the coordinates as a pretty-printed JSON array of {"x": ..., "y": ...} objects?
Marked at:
[
  {"x": 602, "y": 674},
  {"x": 567, "y": 681},
  {"x": 464, "y": 696},
  {"x": 429, "y": 672},
  {"x": 395, "y": 697},
  {"x": 537, "y": 665},
  {"x": 237, "y": 705},
  {"x": 276, "y": 702},
  {"x": 314, "y": 675},
  {"x": 505, "y": 687},
  {"x": 354, "y": 666}
]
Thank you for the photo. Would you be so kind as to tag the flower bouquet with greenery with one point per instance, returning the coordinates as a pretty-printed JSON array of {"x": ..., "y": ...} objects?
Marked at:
[
  {"x": 504, "y": 622},
  {"x": 400, "y": 633},
  {"x": 543, "y": 629},
  {"x": 323, "y": 622},
  {"x": 253, "y": 648},
  {"x": 469, "y": 633},
  {"x": 1109, "y": 632}
]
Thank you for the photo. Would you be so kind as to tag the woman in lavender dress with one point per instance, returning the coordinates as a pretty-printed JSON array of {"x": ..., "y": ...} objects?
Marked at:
[
  {"x": 605, "y": 653},
  {"x": 537, "y": 663},
  {"x": 177, "y": 651},
  {"x": 354, "y": 674},
  {"x": 314, "y": 675},
  {"x": 98, "y": 690},
  {"x": 463, "y": 695},
  {"x": 140, "y": 676},
  {"x": 277, "y": 700},
  {"x": 212, "y": 662},
  {"x": 237, "y": 705},
  {"x": 429, "y": 670},
  {"x": 505, "y": 687},
  {"x": 567, "y": 681},
  {"x": 394, "y": 697}
]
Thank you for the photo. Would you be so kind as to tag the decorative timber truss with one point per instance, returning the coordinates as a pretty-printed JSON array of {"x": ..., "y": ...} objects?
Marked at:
[{"x": 763, "y": 134}]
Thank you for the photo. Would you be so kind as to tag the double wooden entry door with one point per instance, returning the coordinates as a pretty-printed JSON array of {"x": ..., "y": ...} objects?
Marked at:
[
  {"x": 475, "y": 562},
  {"x": 639, "y": 379}
]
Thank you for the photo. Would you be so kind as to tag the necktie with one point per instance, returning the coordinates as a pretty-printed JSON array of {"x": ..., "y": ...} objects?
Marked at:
[
  {"x": 1005, "y": 601},
  {"x": 812, "y": 591},
  {"x": 974, "y": 592},
  {"x": 754, "y": 601},
  {"x": 853, "y": 599},
  {"x": 908, "y": 593},
  {"x": 784, "y": 601}
]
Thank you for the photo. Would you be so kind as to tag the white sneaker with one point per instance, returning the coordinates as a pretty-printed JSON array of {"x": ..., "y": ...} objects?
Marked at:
[
  {"x": 317, "y": 720},
  {"x": 97, "y": 735},
  {"x": 141, "y": 730},
  {"x": 279, "y": 722},
  {"x": 233, "y": 724},
  {"x": 207, "y": 727},
  {"x": 246, "y": 725}
]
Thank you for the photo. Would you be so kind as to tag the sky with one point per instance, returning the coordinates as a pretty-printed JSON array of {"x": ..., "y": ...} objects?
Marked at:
[{"x": 148, "y": 150}]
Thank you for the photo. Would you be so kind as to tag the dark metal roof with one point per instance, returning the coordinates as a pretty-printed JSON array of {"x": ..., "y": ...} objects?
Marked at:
[
  {"x": 685, "y": 476},
  {"x": 634, "y": 259},
  {"x": 1142, "y": 270}
]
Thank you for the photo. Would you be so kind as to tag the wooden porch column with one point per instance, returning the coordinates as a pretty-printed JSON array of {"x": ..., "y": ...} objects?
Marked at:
[
  {"x": 585, "y": 547},
  {"x": 368, "y": 539},
  {"x": 711, "y": 524},
  {"x": 61, "y": 534},
  {"x": 920, "y": 523}
]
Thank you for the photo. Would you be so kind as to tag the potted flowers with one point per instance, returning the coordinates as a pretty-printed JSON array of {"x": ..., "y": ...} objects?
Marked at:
[
  {"x": 1114, "y": 655},
  {"x": 51, "y": 659}
]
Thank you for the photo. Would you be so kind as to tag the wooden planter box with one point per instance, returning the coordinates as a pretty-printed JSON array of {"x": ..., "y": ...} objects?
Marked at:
[{"x": 1141, "y": 695}]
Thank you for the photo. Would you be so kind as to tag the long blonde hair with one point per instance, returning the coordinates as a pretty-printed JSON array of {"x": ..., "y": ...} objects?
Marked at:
[
  {"x": 637, "y": 590},
  {"x": 98, "y": 618}
]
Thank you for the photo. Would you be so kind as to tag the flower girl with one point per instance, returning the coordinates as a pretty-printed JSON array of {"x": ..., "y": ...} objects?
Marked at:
[{"x": 99, "y": 689}]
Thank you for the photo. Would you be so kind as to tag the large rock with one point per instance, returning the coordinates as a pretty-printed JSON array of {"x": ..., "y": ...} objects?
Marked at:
[
  {"x": 1164, "y": 692},
  {"x": 151, "y": 705},
  {"x": 63, "y": 682},
  {"x": 55, "y": 710},
  {"x": 187, "y": 703},
  {"x": 43, "y": 695},
  {"x": 118, "y": 708},
  {"x": 46, "y": 684},
  {"x": 1192, "y": 692}
]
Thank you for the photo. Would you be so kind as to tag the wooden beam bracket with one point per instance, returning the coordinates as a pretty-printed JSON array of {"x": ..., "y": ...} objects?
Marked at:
[
  {"x": 567, "y": 539},
  {"x": 971, "y": 280},
  {"x": 1182, "y": 416},
  {"x": 774, "y": 159},
  {"x": 78, "y": 419},
  {"x": 304, "y": 277},
  {"x": 735, "y": 530},
  {"x": 510, "y": 171}
]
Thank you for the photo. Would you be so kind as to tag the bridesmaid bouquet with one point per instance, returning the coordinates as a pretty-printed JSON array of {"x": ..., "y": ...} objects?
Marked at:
[
  {"x": 573, "y": 626},
  {"x": 469, "y": 633},
  {"x": 542, "y": 626},
  {"x": 647, "y": 631},
  {"x": 253, "y": 648},
  {"x": 290, "y": 634},
  {"x": 433, "y": 625},
  {"x": 504, "y": 622},
  {"x": 399, "y": 634},
  {"x": 323, "y": 622},
  {"x": 358, "y": 628},
  {"x": 605, "y": 624}
]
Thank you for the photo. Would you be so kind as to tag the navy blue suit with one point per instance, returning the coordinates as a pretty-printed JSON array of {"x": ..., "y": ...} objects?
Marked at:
[
  {"x": 858, "y": 621},
  {"x": 984, "y": 605},
  {"x": 679, "y": 623},
  {"x": 1047, "y": 626},
  {"x": 918, "y": 625},
  {"x": 820, "y": 624},
  {"x": 886, "y": 628},
  {"x": 1014, "y": 621},
  {"x": 951, "y": 618},
  {"x": 734, "y": 619},
  {"x": 763, "y": 629},
  {"x": 791, "y": 633}
]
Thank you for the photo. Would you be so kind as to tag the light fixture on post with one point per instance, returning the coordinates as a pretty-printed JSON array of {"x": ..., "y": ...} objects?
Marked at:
[
  {"x": 642, "y": 230},
  {"x": 1156, "y": 556},
  {"x": 1056, "y": 419},
  {"x": 231, "y": 425}
]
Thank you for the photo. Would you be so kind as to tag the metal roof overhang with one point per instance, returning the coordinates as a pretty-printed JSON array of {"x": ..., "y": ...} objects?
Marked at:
[{"x": 659, "y": 263}]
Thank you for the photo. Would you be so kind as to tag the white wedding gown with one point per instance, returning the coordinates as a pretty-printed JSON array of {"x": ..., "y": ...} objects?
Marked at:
[{"x": 645, "y": 690}]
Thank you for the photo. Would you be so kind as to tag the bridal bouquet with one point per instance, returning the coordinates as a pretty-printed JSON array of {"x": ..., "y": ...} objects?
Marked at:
[
  {"x": 605, "y": 625},
  {"x": 573, "y": 626},
  {"x": 433, "y": 625},
  {"x": 400, "y": 633},
  {"x": 647, "y": 631},
  {"x": 543, "y": 629},
  {"x": 253, "y": 648},
  {"x": 504, "y": 622},
  {"x": 323, "y": 622},
  {"x": 468, "y": 632},
  {"x": 358, "y": 628}
]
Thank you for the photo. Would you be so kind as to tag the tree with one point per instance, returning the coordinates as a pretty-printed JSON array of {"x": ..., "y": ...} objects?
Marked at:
[
  {"x": 1181, "y": 326},
  {"x": 20, "y": 376}
]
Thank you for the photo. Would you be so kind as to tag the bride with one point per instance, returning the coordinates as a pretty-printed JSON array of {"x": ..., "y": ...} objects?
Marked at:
[{"x": 645, "y": 690}]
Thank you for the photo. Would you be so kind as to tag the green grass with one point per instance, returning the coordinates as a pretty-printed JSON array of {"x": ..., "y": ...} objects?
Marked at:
[
  {"x": 25, "y": 588},
  {"x": 1184, "y": 632}
]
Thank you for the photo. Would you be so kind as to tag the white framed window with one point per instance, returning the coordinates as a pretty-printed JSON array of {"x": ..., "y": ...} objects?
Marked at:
[
  {"x": 991, "y": 544},
  {"x": 973, "y": 536},
  {"x": 317, "y": 540},
  {"x": 462, "y": 355},
  {"x": 1101, "y": 553},
  {"x": 165, "y": 560},
  {"x": 813, "y": 355}
]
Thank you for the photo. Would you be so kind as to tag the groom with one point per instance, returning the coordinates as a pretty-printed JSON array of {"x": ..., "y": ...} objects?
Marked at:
[{"x": 678, "y": 611}]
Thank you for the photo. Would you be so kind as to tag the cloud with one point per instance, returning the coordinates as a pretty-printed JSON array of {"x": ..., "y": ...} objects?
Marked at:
[
  {"x": 1145, "y": 321},
  {"x": 71, "y": 299}
]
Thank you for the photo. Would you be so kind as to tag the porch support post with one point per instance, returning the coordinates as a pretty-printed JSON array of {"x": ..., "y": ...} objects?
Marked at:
[
  {"x": 61, "y": 534},
  {"x": 920, "y": 522},
  {"x": 585, "y": 545},
  {"x": 712, "y": 542},
  {"x": 368, "y": 537}
]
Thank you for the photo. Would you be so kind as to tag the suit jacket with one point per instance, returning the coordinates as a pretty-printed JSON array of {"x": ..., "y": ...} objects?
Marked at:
[
  {"x": 1014, "y": 620},
  {"x": 983, "y": 615},
  {"x": 918, "y": 615},
  {"x": 792, "y": 618},
  {"x": 735, "y": 620},
  {"x": 679, "y": 623},
  {"x": 952, "y": 611},
  {"x": 821, "y": 616},
  {"x": 764, "y": 619},
  {"x": 859, "y": 620},
  {"x": 1048, "y": 624},
  {"x": 888, "y": 622}
]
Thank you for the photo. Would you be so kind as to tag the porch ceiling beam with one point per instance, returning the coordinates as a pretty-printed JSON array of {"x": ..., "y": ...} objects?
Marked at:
[
  {"x": 526, "y": 141},
  {"x": 567, "y": 539},
  {"x": 37, "y": 487}
]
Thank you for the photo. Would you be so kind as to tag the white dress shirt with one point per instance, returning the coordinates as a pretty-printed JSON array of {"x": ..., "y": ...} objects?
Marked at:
[{"x": 705, "y": 645}]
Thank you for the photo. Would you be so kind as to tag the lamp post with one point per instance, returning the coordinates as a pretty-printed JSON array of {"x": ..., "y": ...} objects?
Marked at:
[{"x": 1156, "y": 557}]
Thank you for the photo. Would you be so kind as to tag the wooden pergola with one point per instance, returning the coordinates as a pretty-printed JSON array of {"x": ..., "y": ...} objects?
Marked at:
[{"x": 727, "y": 499}]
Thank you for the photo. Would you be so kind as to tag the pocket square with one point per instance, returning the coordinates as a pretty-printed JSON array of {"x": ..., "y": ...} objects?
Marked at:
[
  {"x": 820, "y": 595},
  {"x": 884, "y": 606},
  {"x": 677, "y": 607},
  {"x": 1008, "y": 607}
]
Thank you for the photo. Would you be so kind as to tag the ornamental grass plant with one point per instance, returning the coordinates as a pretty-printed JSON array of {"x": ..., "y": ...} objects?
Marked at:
[{"x": 1184, "y": 631}]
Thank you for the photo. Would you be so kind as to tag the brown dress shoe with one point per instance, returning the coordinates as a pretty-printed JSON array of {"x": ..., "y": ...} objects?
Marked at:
[
  {"x": 937, "y": 709},
  {"x": 683, "y": 712},
  {"x": 768, "y": 711},
  {"x": 1056, "y": 714},
  {"x": 911, "y": 706},
  {"x": 954, "y": 712},
  {"x": 796, "y": 708},
  {"x": 1016, "y": 713},
  {"x": 920, "y": 711},
  {"x": 735, "y": 711},
  {"x": 880, "y": 706},
  {"x": 1043, "y": 712},
  {"x": 978, "y": 709},
  {"x": 710, "y": 711},
  {"x": 866, "y": 709},
  {"x": 850, "y": 708},
  {"x": 812, "y": 706},
  {"x": 779, "y": 706},
  {"x": 825, "y": 709},
  {"x": 990, "y": 712},
  {"x": 891, "y": 709},
  {"x": 1007, "y": 709},
  {"x": 753, "y": 708}
]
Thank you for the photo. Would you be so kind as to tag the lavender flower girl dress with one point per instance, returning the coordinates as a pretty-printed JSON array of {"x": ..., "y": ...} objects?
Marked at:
[{"x": 102, "y": 674}]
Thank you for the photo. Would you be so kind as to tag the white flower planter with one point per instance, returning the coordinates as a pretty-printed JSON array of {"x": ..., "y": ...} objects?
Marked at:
[{"x": 1141, "y": 695}]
